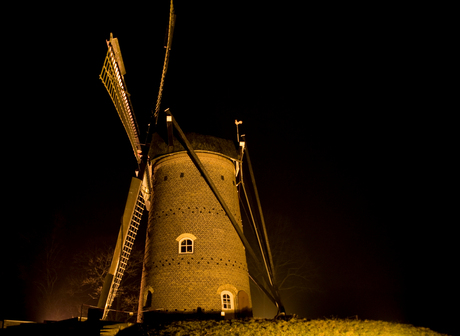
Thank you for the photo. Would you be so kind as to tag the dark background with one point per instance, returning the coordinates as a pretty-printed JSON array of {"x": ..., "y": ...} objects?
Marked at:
[{"x": 351, "y": 148}]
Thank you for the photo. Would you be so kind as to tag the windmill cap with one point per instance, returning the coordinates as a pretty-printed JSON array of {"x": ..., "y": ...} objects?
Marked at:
[{"x": 210, "y": 143}]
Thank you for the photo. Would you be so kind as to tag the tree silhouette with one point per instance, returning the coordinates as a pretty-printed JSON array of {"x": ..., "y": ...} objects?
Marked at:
[
  {"x": 295, "y": 273},
  {"x": 90, "y": 268}
]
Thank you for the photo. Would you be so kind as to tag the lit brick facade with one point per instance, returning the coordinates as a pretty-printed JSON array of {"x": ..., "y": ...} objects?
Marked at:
[{"x": 183, "y": 204}]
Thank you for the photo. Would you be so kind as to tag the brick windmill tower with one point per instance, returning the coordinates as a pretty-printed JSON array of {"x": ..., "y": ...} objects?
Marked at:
[
  {"x": 194, "y": 259},
  {"x": 195, "y": 251}
]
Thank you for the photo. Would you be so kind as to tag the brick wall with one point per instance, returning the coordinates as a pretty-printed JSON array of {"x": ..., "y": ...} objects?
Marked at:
[{"x": 183, "y": 203}]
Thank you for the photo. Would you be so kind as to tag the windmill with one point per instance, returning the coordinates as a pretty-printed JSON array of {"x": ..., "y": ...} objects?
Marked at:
[{"x": 195, "y": 258}]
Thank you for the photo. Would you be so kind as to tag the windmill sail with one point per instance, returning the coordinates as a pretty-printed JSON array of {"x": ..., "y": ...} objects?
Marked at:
[
  {"x": 172, "y": 21},
  {"x": 112, "y": 76},
  {"x": 128, "y": 230}
]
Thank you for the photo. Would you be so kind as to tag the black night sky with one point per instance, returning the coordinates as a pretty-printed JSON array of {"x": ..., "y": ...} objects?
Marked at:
[{"x": 351, "y": 154}]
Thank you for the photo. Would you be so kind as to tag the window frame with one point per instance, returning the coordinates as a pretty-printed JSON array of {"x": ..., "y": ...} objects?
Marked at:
[
  {"x": 192, "y": 245},
  {"x": 231, "y": 300},
  {"x": 184, "y": 236}
]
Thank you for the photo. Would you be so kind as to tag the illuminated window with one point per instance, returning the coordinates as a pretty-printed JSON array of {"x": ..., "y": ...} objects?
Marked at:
[
  {"x": 186, "y": 243},
  {"x": 227, "y": 300},
  {"x": 186, "y": 246}
]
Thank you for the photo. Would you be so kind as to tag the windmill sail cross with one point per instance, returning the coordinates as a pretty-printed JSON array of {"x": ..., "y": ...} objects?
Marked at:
[{"x": 140, "y": 196}]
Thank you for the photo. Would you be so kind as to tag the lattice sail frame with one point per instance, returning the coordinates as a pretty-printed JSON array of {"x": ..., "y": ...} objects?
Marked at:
[
  {"x": 112, "y": 78},
  {"x": 132, "y": 216}
]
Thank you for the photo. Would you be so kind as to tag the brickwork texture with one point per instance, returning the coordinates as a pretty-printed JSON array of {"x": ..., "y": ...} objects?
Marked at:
[{"x": 183, "y": 203}]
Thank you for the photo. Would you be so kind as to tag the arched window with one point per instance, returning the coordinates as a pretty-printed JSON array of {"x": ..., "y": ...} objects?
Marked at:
[
  {"x": 186, "y": 243},
  {"x": 227, "y": 300},
  {"x": 186, "y": 246}
]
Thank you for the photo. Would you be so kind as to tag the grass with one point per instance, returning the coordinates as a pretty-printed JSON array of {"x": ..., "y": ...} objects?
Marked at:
[{"x": 292, "y": 327}]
